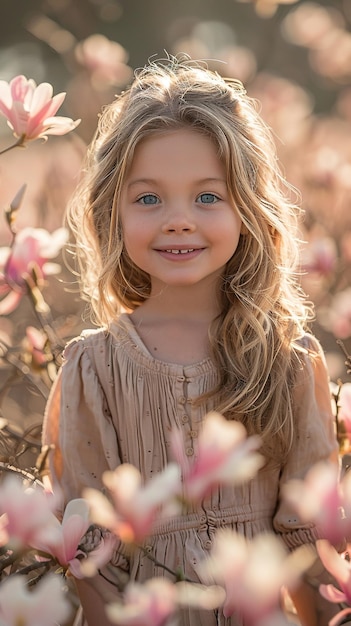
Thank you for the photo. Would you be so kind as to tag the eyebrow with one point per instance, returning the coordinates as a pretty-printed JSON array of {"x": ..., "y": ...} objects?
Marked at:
[{"x": 151, "y": 181}]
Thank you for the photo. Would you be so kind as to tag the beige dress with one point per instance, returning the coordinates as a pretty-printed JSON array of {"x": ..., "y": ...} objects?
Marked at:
[{"x": 114, "y": 403}]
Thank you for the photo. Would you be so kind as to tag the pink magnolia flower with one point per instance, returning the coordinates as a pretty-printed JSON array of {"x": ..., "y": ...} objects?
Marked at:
[
  {"x": 25, "y": 514},
  {"x": 340, "y": 569},
  {"x": 153, "y": 603},
  {"x": 35, "y": 342},
  {"x": 345, "y": 489},
  {"x": 339, "y": 314},
  {"x": 320, "y": 256},
  {"x": 224, "y": 455},
  {"x": 253, "y": 573},
  {"x": 135, "y": 506},
  {"x": 30, "y": 109},
  {"x": 46, "y": 605},
  {"x": 106, "y": 60},
  {"x": 31, "y": 249},
  {"x": 64, "y": 538},
  {"x": 319, "y": 499}
]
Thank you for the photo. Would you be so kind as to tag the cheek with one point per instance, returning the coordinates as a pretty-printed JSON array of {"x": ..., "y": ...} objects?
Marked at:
[
  {"x": 129, "y": 230},
  {"x": 135, "y": 240}
]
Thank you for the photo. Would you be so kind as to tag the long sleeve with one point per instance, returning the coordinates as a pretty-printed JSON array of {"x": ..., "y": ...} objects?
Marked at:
[
  {"x": 315, "y": 439},
  {"x": 78, "y": 426}
]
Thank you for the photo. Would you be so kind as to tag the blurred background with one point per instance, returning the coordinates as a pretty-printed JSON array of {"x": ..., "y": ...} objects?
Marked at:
[{"x": 293, "y": 56}]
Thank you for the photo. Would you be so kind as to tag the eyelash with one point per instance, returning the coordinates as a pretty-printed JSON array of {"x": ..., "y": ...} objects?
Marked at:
[
  {"x": 214, "y": 195},
  {"x": 148, "y": 195},
  {"x": 151, "y": 195}
]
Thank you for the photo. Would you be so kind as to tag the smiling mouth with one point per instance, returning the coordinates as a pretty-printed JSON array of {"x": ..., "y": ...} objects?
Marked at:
[{"x": 180, "y": 251}]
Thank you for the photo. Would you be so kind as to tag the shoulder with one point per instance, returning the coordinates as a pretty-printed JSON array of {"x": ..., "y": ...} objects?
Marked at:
[
  {"x": 95, "y": 341},
  {"x": 312, "y": 370},
  {"x": 88, "y": 339},
  {"x": 308, "y": 344}
]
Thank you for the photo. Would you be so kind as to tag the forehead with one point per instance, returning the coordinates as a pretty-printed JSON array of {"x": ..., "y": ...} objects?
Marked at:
[{"x": 175, "y": 154}]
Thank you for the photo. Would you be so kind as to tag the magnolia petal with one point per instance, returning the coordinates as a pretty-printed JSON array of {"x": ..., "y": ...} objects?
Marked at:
[
  {"x": 41, "y": 98},
  {"x": 21, "y": 88},
  {"x": 161, "y": 488},
  {"x": 331, "y": 593},
  {"x": 337, "y": 619},
  {"x": 59, "y": 237},
  {"x": 78, "y": 506},
  {"x": 202, "y": 596},
  {"x": 58, "y": 126},
  {"x": 73, "y": 531},
  {"x": 97, "y": 558},
  {"x": 51, "y": 269},
  {"x": 76, "y": 569},
  {"x": 150, "y": 604},
  {"x": 5, "y": 98},
  {"x": 333, "y": 562},
  {"x": 10, "y": 302},
  {"x": 123, "y": 482},
  {"x": 30, "y": 109},
  {"x": 124, "y": 615},
  {"x": 46, "y": 605},
  {"x": 101, "y": 510}
]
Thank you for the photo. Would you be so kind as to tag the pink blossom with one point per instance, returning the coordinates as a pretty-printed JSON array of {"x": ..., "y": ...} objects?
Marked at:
[
  {"x": 339, "y": 314},
  {"x": 320, "y": 256},
  {"x": 252, "y": 573},
  {"x": 46, "y": 605},
  {"x": 64, "y": 538},
  {"x": 30, "y": 109},
  {"x": 25, "y": 514},
  {"x": 345, "y": 488},
  {"x": 31, "y": 249},
  {"x": 135, "y": 506},
  {"x": 36, "y": 341},
  {"x": 105, "y": 60},
  {"x": 153, "y": 603},
  {"x": 318, "y": 499},
  {"x": 224, "y": 455},
  {"x": 340, "y": 569}
]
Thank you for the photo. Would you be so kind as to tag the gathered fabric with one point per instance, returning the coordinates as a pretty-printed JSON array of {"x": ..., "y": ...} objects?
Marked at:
[{"x": 114, "y": 403}]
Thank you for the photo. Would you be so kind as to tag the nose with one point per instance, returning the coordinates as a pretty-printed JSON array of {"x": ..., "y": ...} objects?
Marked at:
[{"x": 178, "y": 220}]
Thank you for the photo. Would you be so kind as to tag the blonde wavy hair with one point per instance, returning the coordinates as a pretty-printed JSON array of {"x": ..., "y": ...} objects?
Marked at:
[{"x": 254, "y": 340}]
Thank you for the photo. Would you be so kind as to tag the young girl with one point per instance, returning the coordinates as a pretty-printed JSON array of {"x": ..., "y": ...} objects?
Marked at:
[{"x": 187, "y": 245}]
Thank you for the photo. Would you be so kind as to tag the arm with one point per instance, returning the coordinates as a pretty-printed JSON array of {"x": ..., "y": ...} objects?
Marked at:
[
  {"x": 92, "y": 603},
  {"x": 315, "y": 441},
  {"x": 79, "y": 427},
  {"x": 304, "y": 600}
]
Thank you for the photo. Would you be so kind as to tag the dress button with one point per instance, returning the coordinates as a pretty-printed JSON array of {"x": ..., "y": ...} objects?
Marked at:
[
  {"x": 203, "y": 518},
  {"x": 180, "y": 379},
  {"x": 185, "y": 419},
  {"x": 182, "y": 400},
  {"x": 193, "y": 434},
  {"x": 189, "y": 451},
  {"x": 208, "y": 544}
]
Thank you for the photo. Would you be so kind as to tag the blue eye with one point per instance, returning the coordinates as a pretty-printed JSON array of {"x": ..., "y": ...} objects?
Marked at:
[
  {"x": 207, "y": 198},
  {"x": 148, "y": 199}
]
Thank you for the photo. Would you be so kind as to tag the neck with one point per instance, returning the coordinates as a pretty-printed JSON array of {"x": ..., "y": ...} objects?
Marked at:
[{"x": 183, "y": 303}]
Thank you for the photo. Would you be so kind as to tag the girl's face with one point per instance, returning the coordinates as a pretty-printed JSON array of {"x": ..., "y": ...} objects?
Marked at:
[{"x": 177, "y": 220}]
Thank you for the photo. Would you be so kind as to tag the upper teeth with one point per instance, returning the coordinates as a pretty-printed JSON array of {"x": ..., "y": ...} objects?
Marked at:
[{"x": 180, "y": 251}]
